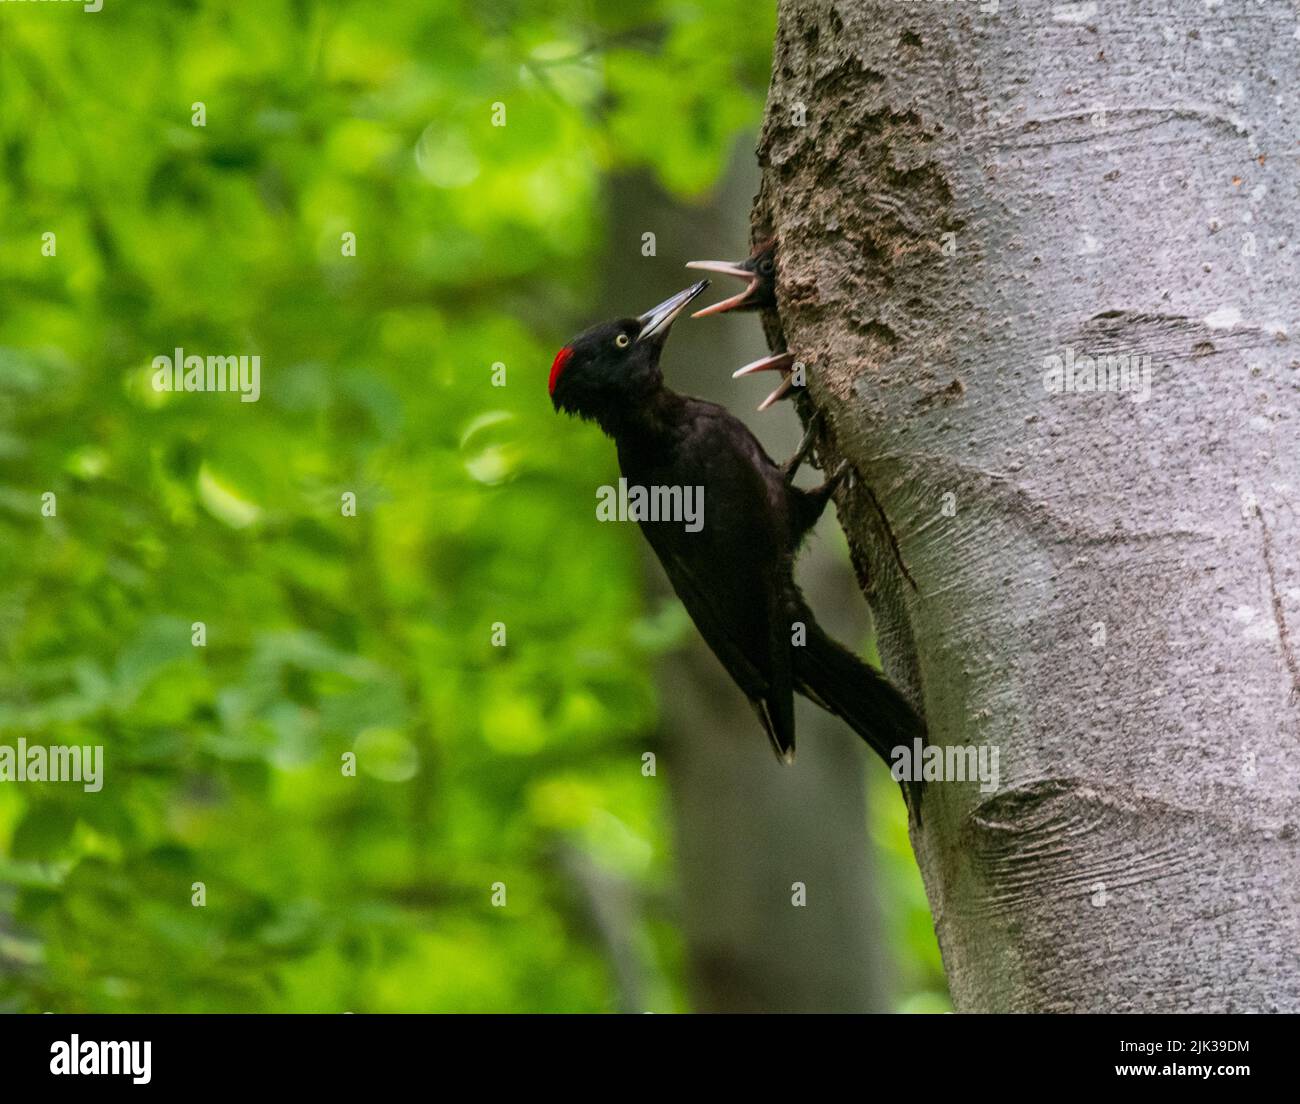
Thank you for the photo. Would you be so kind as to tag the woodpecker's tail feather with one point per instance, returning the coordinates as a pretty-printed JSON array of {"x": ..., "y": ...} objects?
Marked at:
[{"x": 841, "y": 683}]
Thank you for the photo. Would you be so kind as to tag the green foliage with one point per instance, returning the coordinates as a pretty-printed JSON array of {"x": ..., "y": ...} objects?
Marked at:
[{"x": 328, "y": 634}]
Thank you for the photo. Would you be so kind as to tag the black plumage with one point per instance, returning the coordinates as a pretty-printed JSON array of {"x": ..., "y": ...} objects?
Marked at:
[{"x": 735, "y": 575}]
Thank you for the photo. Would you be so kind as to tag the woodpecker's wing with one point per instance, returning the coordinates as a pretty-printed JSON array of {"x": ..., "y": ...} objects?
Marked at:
[
  {"x": 732, "y": 575},
  {"x": 767, "y": 679}
]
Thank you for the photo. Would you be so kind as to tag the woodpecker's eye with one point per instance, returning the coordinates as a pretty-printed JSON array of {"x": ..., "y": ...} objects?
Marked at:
[
  {"x": 622, "y": 341},
  {"x": 765, "y": 267}
]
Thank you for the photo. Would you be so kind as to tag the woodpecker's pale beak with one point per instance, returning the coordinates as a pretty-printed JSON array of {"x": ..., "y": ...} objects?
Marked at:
[
  {"x": 657, "y": 321},
  {"x": 727, "y": 268}
]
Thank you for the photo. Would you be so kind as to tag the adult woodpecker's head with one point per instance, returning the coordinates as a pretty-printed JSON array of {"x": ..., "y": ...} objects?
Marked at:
[
  {"x": 759, "y": 273},
  {"x": 605, "y": 372}
]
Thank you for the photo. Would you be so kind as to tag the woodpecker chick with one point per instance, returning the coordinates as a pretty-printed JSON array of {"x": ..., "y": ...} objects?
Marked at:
[{"x": 759, "y": 273}]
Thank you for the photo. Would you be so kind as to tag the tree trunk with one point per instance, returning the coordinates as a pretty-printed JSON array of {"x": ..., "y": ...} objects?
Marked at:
[{"x": 969, "y": 206}]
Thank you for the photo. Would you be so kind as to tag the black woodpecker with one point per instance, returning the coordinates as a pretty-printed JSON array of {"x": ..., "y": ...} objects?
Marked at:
[{"x": 734, "y": 574}]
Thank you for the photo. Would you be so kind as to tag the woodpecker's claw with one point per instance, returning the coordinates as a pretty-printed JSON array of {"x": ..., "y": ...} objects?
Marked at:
[{"x": 791, "y": 467}]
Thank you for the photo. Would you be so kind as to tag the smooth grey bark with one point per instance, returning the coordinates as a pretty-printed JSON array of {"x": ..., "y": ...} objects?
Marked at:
[
  {"x": 747, "y": 828},
  {"x": 1107, "y": 589}
]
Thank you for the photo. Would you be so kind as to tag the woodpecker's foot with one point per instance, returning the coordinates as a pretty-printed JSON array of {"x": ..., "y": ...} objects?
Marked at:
[
  {"x": 759, "y": 274},
  {"x": 823, "y": 493},
  {"x": 791, "y": 466},
  {"x": 777, "y": 362},
  {"x": 810, "y": 505}
]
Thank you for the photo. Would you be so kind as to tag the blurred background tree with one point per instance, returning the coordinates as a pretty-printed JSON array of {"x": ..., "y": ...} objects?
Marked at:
[{"x": 127, "y": 231}]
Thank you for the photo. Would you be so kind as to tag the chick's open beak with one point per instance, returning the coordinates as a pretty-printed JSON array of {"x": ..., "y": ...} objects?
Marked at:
[
  {"x": 727, "y": 268},
  {"x": 778, "y": 362}
]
